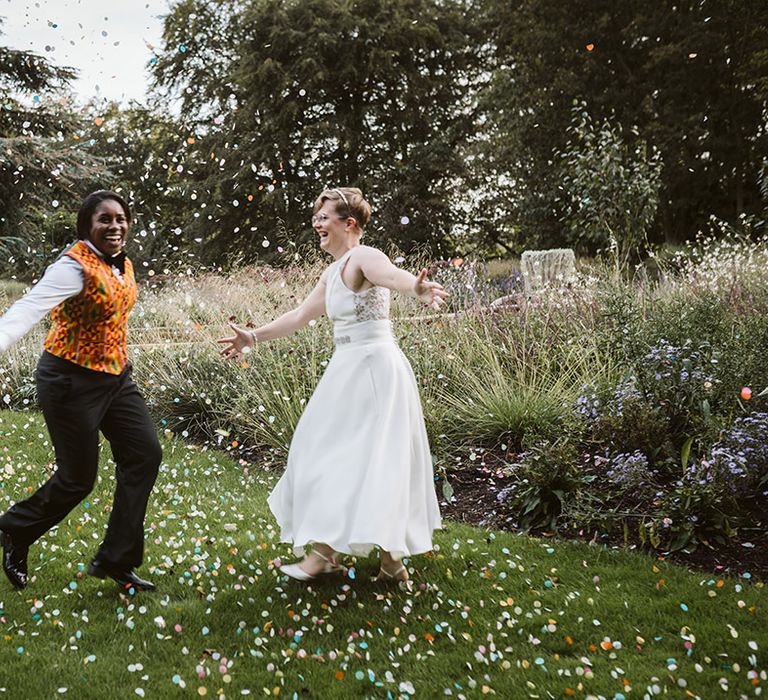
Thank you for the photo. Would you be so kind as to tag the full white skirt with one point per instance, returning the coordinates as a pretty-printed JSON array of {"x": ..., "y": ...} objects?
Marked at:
[{"x": 359, "y": 470}]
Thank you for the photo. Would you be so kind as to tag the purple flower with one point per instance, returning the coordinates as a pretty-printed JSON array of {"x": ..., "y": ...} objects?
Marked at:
[
  {"x": 630, "y": 471},
  {"x": 738, "y": 462}
]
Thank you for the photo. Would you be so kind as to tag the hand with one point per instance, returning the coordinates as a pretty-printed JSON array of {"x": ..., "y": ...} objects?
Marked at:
[
  {"x": 431, "y": 294},
  {"x": 238, "y": 344}
]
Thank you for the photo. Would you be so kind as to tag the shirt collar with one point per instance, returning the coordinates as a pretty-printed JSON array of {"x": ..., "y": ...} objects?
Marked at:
[{"x": 117, "y": 261}]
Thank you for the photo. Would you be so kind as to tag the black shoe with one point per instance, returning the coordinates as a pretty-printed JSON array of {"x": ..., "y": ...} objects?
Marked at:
[
  {"x": 14, "y": 561},
  {"x": 125, "y": 578}
]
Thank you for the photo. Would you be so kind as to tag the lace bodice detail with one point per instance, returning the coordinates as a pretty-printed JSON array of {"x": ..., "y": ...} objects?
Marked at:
[
  {"x": 344, "y": 306},
  {"x": 372, "y": 304}
]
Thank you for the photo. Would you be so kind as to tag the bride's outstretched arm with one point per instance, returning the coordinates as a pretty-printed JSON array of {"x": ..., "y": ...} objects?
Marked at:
[
  {"x": 379, "y": 270},
  {"x": 244, "y": 339}
]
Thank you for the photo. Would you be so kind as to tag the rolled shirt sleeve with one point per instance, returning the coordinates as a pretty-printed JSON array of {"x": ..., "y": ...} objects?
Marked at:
[{"x": 62, "y": 279}]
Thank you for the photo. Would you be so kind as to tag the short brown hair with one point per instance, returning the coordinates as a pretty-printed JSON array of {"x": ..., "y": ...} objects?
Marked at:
[{"x": 348, "y": 201}]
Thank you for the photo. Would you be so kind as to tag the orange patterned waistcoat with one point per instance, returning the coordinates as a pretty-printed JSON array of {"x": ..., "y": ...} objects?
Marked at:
[{"x": 91, "y": 328}]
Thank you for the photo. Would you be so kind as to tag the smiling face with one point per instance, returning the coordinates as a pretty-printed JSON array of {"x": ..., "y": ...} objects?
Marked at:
[
  {"x": 334, "y": 230},
  {"x": 109, "y": 227}
]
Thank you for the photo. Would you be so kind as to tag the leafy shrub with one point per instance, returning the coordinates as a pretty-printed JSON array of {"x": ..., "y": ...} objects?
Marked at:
[
  {"x": 547, "y": 475},
  {"x": 660, "y": 403}
]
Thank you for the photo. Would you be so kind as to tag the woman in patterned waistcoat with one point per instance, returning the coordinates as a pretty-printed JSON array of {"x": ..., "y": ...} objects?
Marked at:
[
  {"x": 84, "y": 387},
  {"x": 359, "y": 472}
]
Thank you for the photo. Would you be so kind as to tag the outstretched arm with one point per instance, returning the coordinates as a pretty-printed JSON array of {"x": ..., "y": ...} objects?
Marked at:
[
  {"x": 62, "y": 280},
  {"x": 378, "y": 270},
  {"x": 311, "y": 308}
]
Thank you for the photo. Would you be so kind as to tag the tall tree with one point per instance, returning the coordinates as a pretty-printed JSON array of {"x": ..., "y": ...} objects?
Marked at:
[
  {"x": 288, "y": 97},
  {"x": 44, "y": 167},
  {"x": 147, "y": 154},
  {"x": 691, "y": 76}
]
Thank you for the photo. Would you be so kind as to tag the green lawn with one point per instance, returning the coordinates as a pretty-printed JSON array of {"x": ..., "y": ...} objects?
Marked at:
[{"x": 490, "y": 612}]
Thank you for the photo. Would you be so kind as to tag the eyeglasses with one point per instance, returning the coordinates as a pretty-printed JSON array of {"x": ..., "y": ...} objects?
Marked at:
[{"x": 322, "y": 218}]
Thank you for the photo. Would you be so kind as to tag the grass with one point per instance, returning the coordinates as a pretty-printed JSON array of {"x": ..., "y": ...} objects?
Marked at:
[{"x": 490, "y": 612}]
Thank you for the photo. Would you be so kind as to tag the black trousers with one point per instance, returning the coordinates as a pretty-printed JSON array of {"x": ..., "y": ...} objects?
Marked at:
[{"x": 77, "y": 403}]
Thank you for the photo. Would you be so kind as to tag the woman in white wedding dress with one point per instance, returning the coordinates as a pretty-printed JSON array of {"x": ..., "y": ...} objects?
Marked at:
[{"x": 359, "y": 472}]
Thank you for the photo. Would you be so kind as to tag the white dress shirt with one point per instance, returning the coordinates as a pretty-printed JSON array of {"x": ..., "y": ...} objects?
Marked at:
[{"x": 63, "y": 279}]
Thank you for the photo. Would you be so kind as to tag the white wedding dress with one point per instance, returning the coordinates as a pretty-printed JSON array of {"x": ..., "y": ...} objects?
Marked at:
[{"x": 359, "y": 470}]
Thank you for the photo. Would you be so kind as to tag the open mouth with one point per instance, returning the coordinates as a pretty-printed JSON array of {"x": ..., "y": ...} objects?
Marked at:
[{"x": 323, "y": 237}]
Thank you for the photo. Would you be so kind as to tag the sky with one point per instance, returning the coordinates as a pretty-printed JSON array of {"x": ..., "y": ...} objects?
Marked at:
[{"x": 107, "y": 41}]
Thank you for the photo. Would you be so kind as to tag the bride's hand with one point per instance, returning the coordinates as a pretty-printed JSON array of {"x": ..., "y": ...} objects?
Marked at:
[
  {"x": 431, "y": 294},
  {"x": 238, "y": 344}
]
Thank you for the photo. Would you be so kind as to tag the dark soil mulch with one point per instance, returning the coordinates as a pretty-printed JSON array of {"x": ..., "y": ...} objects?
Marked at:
[{"x": 476, "y": 486}]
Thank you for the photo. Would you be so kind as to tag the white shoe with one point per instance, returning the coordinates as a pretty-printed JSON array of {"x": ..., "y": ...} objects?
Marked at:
[
  {"x": 399, "y": 575},
  {"x": 296, "y": 572}
]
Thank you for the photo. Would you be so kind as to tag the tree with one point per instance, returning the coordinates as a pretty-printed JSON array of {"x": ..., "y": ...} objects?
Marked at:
[
  {"x": 611, "y": 192},
  {"x": 146, "y": 152},
  {"x": 690, "y": 75},
  {"x": 44, "y": 169},
  {"x": 304, "y": 95}
]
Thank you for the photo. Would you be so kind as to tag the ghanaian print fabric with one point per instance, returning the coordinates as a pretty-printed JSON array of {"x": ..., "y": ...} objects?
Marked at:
[{"x": 90, "y": 329}]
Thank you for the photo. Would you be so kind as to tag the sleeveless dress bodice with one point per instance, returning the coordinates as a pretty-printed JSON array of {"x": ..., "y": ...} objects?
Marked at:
[{"x": 358, "y": 317}]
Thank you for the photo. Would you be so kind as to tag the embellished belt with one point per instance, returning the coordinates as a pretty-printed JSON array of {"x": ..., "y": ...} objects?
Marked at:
[{"x": 363, "y": 332}]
